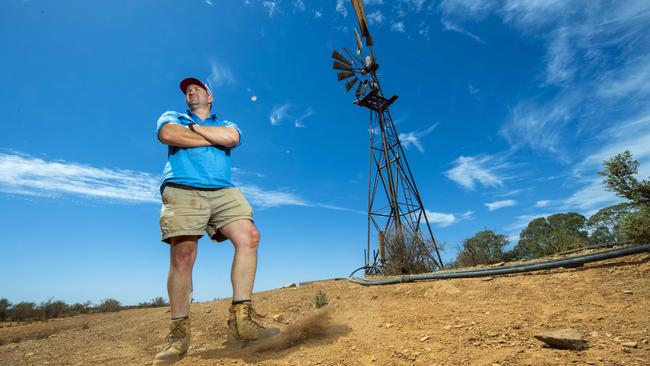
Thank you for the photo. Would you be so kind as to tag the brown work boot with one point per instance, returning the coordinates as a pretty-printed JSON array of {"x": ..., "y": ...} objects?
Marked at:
[
  {"x": 176, "y": 343},
  {"x": 242, "y": 327}
]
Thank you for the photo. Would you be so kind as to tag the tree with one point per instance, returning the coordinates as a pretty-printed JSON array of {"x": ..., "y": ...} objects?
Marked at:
[
  {"x": 619, "y": 177},
  {"x": 23, "y": 311},
  {"x": 4, "y": 309},
  {"x": 109, "y": 305},
  {"x": 605, "y": 225},
  {"x": 53, "y": 309},
  {"x": 635, "y": 227},
  {"x": 554, "y": 234},
  {"x": 484, "y": 247}
]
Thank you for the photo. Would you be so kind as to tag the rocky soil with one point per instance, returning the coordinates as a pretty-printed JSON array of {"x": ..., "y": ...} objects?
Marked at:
[{"x": 484, "y": 321}]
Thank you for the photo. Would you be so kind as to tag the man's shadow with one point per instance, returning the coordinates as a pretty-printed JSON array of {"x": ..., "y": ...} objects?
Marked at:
[{"x": 315, "y": 329}]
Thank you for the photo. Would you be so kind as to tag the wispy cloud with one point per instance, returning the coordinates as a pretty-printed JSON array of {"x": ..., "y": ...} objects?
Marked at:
[
  {"x": 271, "y": 7},
  {"x": 279, "y": 113},
  {"x": 30, "y": 176},
  {"x": 299, "y": 5},
  {"x": 500, "y": 204},
  {"x": 409, "y": 139},
  {"x": 450, "y": 26},
  {"x": 472, "y": 89},
  {"x": 209, "y": 2},
  {"x": 542, "y": 203},
  {"x": 340, "y": 8},
  {"x": 522, "y": 221},
  {"x": 375, "y": 17},
  {"x": 468, "y": 171},
  {"x": 283, "y": 112},
  {"x": 398, "y": 27},
  {"x": 299, "y": 121},
  {"x": 26, "y": 175},
  {"x": 220, "y": 75},
  {"x": 446, "y": 219}
]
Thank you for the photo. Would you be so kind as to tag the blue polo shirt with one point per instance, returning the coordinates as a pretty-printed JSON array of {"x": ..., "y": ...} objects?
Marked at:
[{"x": 203, "y": 166}]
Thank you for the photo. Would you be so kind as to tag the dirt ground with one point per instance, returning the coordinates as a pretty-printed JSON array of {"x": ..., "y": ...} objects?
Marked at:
[{"x": 484, "y": 321}]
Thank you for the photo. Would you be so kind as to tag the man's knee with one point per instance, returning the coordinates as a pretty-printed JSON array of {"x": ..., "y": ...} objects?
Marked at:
[
  {"x": 183, "y": 254},
  {"x": 250, "y": 238}
]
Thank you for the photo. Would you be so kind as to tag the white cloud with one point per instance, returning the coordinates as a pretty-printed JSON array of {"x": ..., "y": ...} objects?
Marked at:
[
  {"x": 27, "y": 175},
  {"x": 542, "y": 203},
  {"x": 299, "y": 121},
  {"x": 398, "y": 27},
  {"x": 540, "y": 126},
  {"x": 446, "y": 219},
  {"x": 209, "y": 2},
  {"x": 472, "y": 89},
  {"x": 375, "y": 17},
  {"x": 500, "y": 204},
  {"x": 340, "y": 7},
  {"x": 317, "y": 14},
  {"x": 373, "y": 2},
  {"x": 220, "y": 75},
  {"x": 468, "y": 171},
  {"x": 409, "y": 139},
  {"x": 299, "y": 5},
  {"x": 271, "y": 7},
  {"x": 449, "y": 26},
  {"x": 523, "y": 220},
  {"x": 279, "y": 113},
  {"x": 30, "y": 176}
]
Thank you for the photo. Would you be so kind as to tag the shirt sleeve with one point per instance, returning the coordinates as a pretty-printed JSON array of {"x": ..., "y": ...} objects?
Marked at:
[
  {"x": 165, "y": 118},
  {"x": 227, "y": 123}
]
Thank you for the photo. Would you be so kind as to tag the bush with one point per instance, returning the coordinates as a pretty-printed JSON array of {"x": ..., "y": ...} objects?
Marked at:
[
  {"x": 486, "y": 247},
  {"x": 109, "y": 305},
  {"x": 407, "y": 253},
  {"x": 320, "y": 299}
]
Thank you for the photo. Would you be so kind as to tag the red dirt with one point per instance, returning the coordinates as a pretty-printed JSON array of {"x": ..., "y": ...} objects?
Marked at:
[{"x": 451, "y": 322}]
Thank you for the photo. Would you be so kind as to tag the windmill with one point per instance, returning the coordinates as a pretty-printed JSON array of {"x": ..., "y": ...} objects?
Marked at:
[{"x": 397, "y": 221}]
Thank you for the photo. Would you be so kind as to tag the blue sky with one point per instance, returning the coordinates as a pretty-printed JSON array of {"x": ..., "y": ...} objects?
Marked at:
[{"x": 507, "y": 110}]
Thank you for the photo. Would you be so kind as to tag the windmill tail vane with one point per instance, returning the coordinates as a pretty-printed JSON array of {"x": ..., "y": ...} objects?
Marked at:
[{"x": 397, "y": 221}]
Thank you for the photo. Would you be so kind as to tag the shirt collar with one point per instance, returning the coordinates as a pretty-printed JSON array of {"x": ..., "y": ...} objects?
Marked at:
[{"x": 195, "y": 117}]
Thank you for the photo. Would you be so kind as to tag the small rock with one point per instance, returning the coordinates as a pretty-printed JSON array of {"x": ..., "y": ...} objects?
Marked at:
[
  {"x": 446, "y": 327},
  {"x": 389, "y": 325},
  {"x": 630, "y": 344},
  {"x": 373, "y": 359},
  {"x": 278, "y": 318},
  {"x": 208, "y": 311},
  {"x": 487, "y": 279},
  {"x": 628, "y": 292},
  {"x": 424, "y": 339},
  {"x": 564, "y": 338}
]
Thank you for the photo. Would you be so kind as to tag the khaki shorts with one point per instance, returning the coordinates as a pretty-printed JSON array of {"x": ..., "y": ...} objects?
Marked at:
[{"x": 193, "y": 212}]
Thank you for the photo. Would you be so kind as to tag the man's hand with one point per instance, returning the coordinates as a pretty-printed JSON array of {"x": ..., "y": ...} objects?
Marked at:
[
  {"x": 174, "y": 134},
  {"x": 218, "y": 135}
]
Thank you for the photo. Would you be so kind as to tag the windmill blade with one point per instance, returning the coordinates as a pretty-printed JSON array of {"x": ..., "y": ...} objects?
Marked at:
[
  {"x": 344, "y": 75},
  {"x": 338, "y": 56},
  {"x": 359, "y": 44},
  {"x": 350, "y": 84},
  {"x": 341, "y": 66},
  {"x": 363, "y": 22}
]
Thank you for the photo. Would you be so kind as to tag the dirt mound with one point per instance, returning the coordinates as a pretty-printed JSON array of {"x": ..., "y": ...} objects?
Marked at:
[{"x": 484, "y": 321}]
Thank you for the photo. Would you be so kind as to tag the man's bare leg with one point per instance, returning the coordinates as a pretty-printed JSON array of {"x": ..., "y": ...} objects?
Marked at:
[
  {"x": 245, "y": 237},
  {"x": 179, "y": 281}
]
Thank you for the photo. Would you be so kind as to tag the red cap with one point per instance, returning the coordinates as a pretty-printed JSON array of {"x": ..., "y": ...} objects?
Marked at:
[{"x": 189, "y": 81}]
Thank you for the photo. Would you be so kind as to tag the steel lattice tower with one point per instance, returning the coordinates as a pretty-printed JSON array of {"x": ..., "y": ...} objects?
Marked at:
[{"x": 397, "y": 220}]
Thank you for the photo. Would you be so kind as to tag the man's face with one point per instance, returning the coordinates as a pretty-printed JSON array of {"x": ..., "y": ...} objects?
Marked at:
[{"x": 196, "y": 97}]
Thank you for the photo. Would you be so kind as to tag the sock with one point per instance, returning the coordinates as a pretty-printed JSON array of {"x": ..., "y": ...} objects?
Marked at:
[
  {"x": 181, "y": 317},
  {"x": 240, "y": 302}
]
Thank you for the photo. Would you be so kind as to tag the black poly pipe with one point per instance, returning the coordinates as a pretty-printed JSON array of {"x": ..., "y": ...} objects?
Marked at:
[{"x": 539, "y": 266}]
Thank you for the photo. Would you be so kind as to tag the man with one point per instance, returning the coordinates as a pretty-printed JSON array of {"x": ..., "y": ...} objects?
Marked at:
[{"x": 198, "y": 197}]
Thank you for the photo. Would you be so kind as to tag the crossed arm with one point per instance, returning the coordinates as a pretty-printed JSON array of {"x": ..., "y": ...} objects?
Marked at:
[{"x": 176, "y": 135}]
